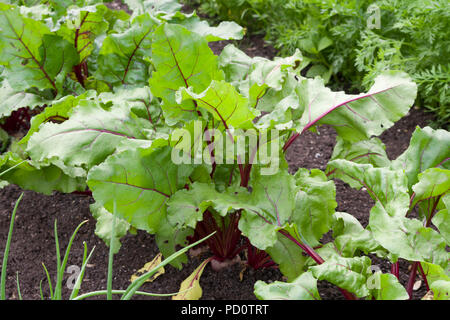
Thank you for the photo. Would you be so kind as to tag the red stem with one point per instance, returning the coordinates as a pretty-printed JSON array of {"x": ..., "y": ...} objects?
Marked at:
[
  {"x": 424, "y": 277},
  {"x": 317, "y": 258},
  {"x": 290, "y": 141},
  {"x": 412, "y": 279},
  {"x": 416, "y": 264},
  {"x": 395, "y": 269}
]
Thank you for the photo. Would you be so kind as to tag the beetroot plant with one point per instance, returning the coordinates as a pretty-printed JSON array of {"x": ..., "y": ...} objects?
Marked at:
[{"x": 182, "y": 142}]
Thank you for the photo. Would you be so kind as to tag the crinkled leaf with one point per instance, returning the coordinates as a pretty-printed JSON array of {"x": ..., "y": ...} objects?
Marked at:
[
  {"x": 268, "y": 84},
  {"x": 270, "y": 208},
  {"x": 267, "y": 208},
  {"x": 140, "y": 101},
  {"x": 390, "y": 187},
  {"x": 278, "y": 106},
  {"x": 154, "y": 6},
  {"x": 401, "y": 236},
  {"x": 350, "y": 237},
  {"x": 267, "y": 74},
  {"x": 12, "y": 99},
  {"x": 186, "y": 207},
  {"x": 58, "y": 112},
  {"x": 39, "y": 177},
  {"x": 90, "y": 135},
  {"x": 235, "y": 63},
  {"x": 303, "y": 287},
  {"x": 371, "y": 151},
  {"x": 314, "y": 204},
  {"x": 104, "y": 225},
  {"x": 346, "y": 273}
]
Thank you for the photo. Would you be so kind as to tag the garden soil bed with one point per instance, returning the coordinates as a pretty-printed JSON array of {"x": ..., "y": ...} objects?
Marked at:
[{"x": 33, "y": 240}]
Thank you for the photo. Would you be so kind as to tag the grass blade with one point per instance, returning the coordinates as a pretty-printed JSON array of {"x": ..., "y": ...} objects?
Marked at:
[
  {"x": 57, "y": 294},
  {"x": 104, "y": 292},
  {"x": 14, "y": 166},
  {"x": 49, "y": 280},
  {"x": 61, "y": 269},
  {"x": 111, "y": 255},
  {"x": 6, "y": 253},
  {"x": 18, "y": 286},
  {"x": 80, "y": 276}
]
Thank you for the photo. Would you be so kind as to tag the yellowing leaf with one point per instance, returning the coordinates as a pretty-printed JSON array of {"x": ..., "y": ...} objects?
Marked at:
[
  {"x": 147, "y": 267},
  {"x": 428, "y": 296},
  {"x": 190, "y": 288}
]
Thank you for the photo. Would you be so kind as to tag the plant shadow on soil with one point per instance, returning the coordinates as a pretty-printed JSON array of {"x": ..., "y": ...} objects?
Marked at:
[{"x": 33, "y": 241}]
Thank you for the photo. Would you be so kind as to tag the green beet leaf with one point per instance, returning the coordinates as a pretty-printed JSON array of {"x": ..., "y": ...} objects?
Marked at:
[
  {"x": 442, "y": 220},
  {"x": 356, "y": 117},
  {"x": 351, "y": 238},
  {"x": 385, "y": 286},
  {"x": 81, "y": 26},
  {"x": 428, "y": 148},
  {"x": 270, "y": 209},
  {"x": 407, "y": 238},
  {"x": 225, "y": 104},
  {"x": 182, "y": 59},
  {"x": 314, "y": 204},
  {"x": 225, "y": 30},
  {"x": 371, "y": 151},
  {"x": 123, "y": 57},
  {"x": 59, "y": 111},
  {"x": 104, "y": 226},
  {"x": 288, "y": 256},
  {"x": 347, "y": 273},
  {"x": 303, "y": 287},
  {"x": 33, "y": 56},
  {"x": 90, "y": 135},
  {"x": 37, "y": 176},
  {"x": 141, "y": 181}
]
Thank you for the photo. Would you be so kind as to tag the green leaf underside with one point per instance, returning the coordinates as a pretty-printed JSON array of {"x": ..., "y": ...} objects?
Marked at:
[
  {"x": 356, "y": 117},
  {"x": 38, "y": 177},
  {"x": 88, "y": 137}
]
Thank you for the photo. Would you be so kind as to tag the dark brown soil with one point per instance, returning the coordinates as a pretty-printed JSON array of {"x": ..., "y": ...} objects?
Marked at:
[{"x": 33, "y": 240}]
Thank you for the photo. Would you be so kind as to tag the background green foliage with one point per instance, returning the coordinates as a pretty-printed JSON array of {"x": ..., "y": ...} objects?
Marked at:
[{"x": 414, "y": 36}]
